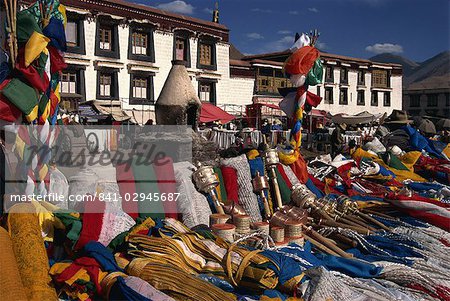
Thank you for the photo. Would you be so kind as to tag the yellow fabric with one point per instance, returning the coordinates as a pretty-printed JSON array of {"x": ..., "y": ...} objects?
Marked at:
[
  {"x": 288, "y": 159},
  {"x": 410, "y": 158},
  {"x": 19, "y": 147},
  {"x": 147, "y": 224},
  {"x": 401, "y": 175},
  {"x": 47, "y": 221},
  {"x": 43, "y": 172},
  {"x": 252, "y": 154},
  {"x": 62, "y": 10},
  {"x": 47, "y": 110},
  {"x": 11, "y": 287},
  {"x": 446, "y": 151},
  {"x": 34, "y": 47},
  {"x": 56, "y": 92},
  {"x": 30, "y": 252},
  {"x": 33, "y": 114}
]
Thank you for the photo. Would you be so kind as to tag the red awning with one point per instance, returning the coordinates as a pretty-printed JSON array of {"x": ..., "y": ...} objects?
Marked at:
[{"x": 210, "y": 113}]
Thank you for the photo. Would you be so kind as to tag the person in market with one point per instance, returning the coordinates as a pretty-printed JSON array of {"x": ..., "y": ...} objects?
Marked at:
[
  {"x": 337, "y": 139},
  {"x": 395, "y": 123}
]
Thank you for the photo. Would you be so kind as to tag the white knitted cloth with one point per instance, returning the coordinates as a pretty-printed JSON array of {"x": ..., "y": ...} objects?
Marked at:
[
  {"x": 115, "y": 221},
  {"x": 191, "y": 204},
  {"x": 247, "y": 198},
  {"x": 291, "y": 175}
]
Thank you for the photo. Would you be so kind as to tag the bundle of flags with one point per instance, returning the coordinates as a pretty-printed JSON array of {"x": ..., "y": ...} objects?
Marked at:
[
  {"x": 304, "y": 69},
  {"x": 29, "y": 85}
]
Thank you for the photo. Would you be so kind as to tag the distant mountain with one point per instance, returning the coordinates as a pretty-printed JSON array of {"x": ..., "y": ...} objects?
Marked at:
[
  {"x": 437, "y": 66},
  {"x": 408, "y": 65}
]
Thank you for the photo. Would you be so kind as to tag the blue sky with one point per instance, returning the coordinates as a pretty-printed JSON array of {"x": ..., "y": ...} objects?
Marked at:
[{"x": 415, "y": 29}]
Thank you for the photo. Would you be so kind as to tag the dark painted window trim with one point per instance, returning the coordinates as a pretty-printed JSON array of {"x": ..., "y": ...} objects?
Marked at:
[
  {"x": 331, "y": 100},
  {"x": 208, "y": 41},
  {"x": 345, "y": 80},
  {"x": 150, "y": 57},
  {"x": 114, "y": 83},
  {"x": 329, "y": 79},
  {"x": 81, "y": 83},
  {"x": 213, "y": 94},
  {"x": 185, "y": 35},
  {"x": 115, "y": 52},
  {"x": 79, "y": 19},
  {"x": 150, "y": 88},
  {"x": 363, "y": 103},
  {"x": 345, "y": 100},
  {"x": 372, "y": 103},
  {"x": 363, "y": 82}
]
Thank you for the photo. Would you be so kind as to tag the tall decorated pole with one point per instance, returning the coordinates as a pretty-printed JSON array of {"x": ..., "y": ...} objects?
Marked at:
[{"x": 304, "y": 69}]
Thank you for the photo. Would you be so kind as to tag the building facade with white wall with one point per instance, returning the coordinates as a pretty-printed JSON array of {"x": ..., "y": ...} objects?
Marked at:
[{"x": 120, "y": 53}]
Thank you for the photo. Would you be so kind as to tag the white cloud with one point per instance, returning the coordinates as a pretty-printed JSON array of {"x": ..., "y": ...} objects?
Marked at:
[
  {"x": 293, "y": 12},
  {"x": 313, "y": 10},
  {"x": 280, "y": 44},
  {"x": 177, "y": 6},
  {"x": 260, "y": 10},
  {"x": 284, "y": 32},
  {"x": 385, "y": 48},
  {"x": 207, "y": 10},
  {"x": 254, "y": 36}
]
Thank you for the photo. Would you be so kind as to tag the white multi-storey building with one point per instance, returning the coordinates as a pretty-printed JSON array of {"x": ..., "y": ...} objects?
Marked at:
[{"x": 120, "y": 53}]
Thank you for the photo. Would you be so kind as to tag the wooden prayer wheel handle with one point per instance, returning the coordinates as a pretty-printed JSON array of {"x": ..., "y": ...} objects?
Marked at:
[
  {"x": 320, "y": 246},
  {"x": 216, "y": 202},
  {"x": 266, "y": 205},
  {"x": 350, "y": 220},
  {"x": 373, "y": 221},
  {"x": 360, "y": 230},
  {"x": 326, "y": 242},
  {"x": 276, "y": 188}
]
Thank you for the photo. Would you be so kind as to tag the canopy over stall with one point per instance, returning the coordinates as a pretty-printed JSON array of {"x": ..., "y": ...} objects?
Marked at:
[
  {"x": 360, "y": 118},
  {"x": 210, "y": 113}
]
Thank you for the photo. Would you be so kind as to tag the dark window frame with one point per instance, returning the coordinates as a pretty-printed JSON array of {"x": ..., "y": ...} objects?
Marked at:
[
  {"x": 213, "y": 92},
  {"x": 80, "y": 84},
  {"x": 79, "y": 20},
  {"x": 149, "y": 31},
  {"x": 343, "y": 71},
  {"x": 374, "y": 100},
  {"x": 186, "y": 36},
  {"x": 414, "y": 100},
  {"x": 447, "y": 99},
  {"x": 318, "y": 91},
  {"x": 345, "y": 100},
  {"x": 206, "y": 40},
  {"x": 114, "y": 83},
  {"x": 363, "y": 81},
  {"x": 115, "y": 49},
  {"x": 387, "y": 100},
  {"x": 329, "y": 76},
  {"x": 432, "y": 100},
  {"x": 331, "y": 100},
  {"x": 358, "y": 101},
  {"x": 150, "y": 88}
]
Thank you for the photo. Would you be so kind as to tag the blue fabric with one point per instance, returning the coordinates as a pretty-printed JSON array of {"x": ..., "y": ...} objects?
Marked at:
[
  {"x": 103, "y": 256},
  {"x": 121, "y": 291},
  {"x": 349, "y": 266},
  {"x": 4, "y": 71},
  {"x": 257, "y": 164},
  {"x": 220, "y": 283},
  {"x": 284, "y": 267},
  {"x": 366, "y": 198},
  {"x": 417, "y": 186},
  {"x": 385, "y": 172},
  {"x": 275, "y": 294},
  {"x": 419, "y": 142},
  {"x": 373, "y": 258},
  {"x": 314, "y": 189},
  {"x": 56, "y": 33}
]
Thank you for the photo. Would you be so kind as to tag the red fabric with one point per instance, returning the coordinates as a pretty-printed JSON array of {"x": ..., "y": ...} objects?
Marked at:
[
  {"x": 229, "y": 176},
  {"x": 302, "y": 60},
  {"x": 167, "y": 184},
  {"x": 8, "y": 111},
  {"x": 92, "y": 222},
  {"x": 313, "y": 99},
  {"x": 89, "y": 264},
  {"x": 321, "y": 186},
  {"x": 125, "y": 180},
  {"x": 429, "y": 210},
  {"x": 284, "y": 175},
  {"x": 210, "y": 113},
  {"x": 54, "y": 101},
  {"x": 300, "y": 170},
  {"x": 56, "y": 60},
  {"x": 440, "y": 292},
  {"x": 30, "y": 73}
]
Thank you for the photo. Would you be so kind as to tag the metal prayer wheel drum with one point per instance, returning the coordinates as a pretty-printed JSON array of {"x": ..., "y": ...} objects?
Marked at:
[
  {"x": 302, "y": 197},
  {"x": 271, "y": 157},
  {"x": 297, "y": 214},
  {"x": 205, "y": 178},
  {"x": 233, "y": 209},
  {"x": 260, "y": 183},
  {"x": 346, "y": 205}
]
